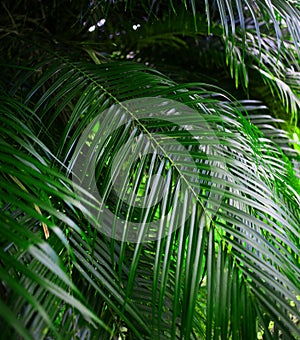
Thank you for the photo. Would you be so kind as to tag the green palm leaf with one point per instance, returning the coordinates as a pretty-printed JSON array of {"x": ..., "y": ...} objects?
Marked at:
[
  {"x": 135, "y": 206},
  {"x": 35, "y": 277},
  {"x": 249, "y": 245},
  {"x": 241, "y": 50}
]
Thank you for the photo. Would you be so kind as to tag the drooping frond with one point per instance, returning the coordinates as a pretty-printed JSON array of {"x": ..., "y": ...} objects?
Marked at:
[
  {"x": 239, "y": 53},
  {"x": 180, "y": 168},
  {"x": 280, "y": 16},
  {"x": 35, "y": 279}
]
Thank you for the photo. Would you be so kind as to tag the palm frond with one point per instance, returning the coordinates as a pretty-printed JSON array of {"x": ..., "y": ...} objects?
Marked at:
[
  {"x": 36, "y": 280},
  {"x": 240, "y": 52},
  {"x": 135, "y": 206},
  {"x": 280, "y": 16},
  {"x": 254, "y": 230}
]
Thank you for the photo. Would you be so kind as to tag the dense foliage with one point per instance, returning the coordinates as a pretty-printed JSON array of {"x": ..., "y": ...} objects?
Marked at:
[{"x": 228, "y": 264}]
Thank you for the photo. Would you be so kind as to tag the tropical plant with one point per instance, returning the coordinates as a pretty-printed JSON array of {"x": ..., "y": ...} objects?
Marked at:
[{"x": 197, "y": 135}]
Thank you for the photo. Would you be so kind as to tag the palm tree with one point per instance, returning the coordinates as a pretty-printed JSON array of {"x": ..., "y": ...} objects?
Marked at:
[{"x": 150, "y": 170}]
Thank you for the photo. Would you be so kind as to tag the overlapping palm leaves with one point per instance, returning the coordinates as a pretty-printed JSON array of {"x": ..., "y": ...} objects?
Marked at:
[
  {"x": 231, "y": 272},
  {"x": 243, "y": 257},
  {"x": 250, "y": 53}
]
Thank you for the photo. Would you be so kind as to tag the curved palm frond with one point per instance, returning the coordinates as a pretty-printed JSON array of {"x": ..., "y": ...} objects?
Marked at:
[
  {"x": 170, "y": 210},
  {"x": 172, "y": 286},
  {"x": 282, "y": 15},
  {"x": 35, "y": 280},
  {"x": 239, "y": 53}
]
